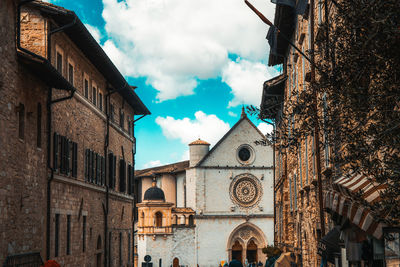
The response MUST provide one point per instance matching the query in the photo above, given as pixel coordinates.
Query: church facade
(216, 206)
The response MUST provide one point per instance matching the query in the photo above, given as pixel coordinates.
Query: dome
(154, 193)
(199, 142)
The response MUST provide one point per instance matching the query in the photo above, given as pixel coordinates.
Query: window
(65, 155)
(130, 179)
(129, 247)
(191, 220)
(112, 112)
(101, 101)
(57, 235)
(39, 126)
(120, 249)
(94, 95)
(55, 151)
(320, 3)
(86, 87)
(290, 194)
(158, 219)
(121, 118)
(112, 170)
(83, 233)
(68, 234)
(71, 73)
(122, 176)
(21, 120)
(300, 166)
(74, 159)
(295, 191)
(306, 158)
(59, 62)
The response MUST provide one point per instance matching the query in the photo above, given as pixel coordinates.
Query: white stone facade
(231, 196)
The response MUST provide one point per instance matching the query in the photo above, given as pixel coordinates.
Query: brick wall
(22, 161)
(24, 174)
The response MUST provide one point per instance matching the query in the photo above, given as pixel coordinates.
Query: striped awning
(343, 201)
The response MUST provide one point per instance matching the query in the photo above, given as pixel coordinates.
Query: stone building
(67, 139)
(349, 226)
(216, 206)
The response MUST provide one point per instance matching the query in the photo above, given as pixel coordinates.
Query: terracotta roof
(170, 168)
(199, 142)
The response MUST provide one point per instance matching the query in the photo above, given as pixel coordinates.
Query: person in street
(235, 263)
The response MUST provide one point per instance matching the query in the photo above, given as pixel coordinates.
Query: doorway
(237, 251)
(251, 252)
(175, 262)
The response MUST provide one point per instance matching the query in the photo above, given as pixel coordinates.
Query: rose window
(245, 190)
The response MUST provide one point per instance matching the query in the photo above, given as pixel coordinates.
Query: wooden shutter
(74, 159)
(122, 175)
(129, 179)
(67, 155)
(114, 170)
(110, 169)
(93, 166)
(55, 151)
(103, 171)
(86, 164)
(62, 157)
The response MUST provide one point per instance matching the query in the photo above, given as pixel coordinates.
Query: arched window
(141, 219)
(158, 219)
(175, 262)
(191, 220)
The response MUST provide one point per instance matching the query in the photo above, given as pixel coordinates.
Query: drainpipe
(135, 198)
(106, 206)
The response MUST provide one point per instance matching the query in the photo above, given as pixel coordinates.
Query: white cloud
(246, 79)
(175, 43)
(95, 32)
(232, 114)
(152, 163)
(206, 127)
(185, 155)
(265, 127)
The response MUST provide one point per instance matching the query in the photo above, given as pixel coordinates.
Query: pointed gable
(224, 153)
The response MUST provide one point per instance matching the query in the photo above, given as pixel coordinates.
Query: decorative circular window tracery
(245, 190)
(245, 154)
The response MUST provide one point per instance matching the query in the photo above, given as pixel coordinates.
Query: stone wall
(23, 170)
(22, 159)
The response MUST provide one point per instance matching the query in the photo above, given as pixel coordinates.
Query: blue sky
(195, 63)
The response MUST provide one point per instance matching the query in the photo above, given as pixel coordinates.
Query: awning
(272, 97)
(328, 246)
(346, 199)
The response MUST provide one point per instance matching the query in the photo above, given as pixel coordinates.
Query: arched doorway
(251, 252)
(237, 251)
(175, 262)
(251, 239)
(98, 255)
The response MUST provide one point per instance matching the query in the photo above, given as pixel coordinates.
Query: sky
(195, 63)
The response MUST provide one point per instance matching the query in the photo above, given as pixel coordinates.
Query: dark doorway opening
(251, 252)
(175, 262)
(237, 250)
